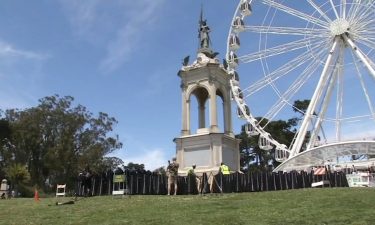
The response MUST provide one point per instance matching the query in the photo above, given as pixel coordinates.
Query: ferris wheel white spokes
(297, 13)
(360, 77)
(279, 73)
(334, 9)
(281, 49)
(360, 17)
(321, 50)
(365, 41)
(284, 99)
(319, 10)
(287, 31)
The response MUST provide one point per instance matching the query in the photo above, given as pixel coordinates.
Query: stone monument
(208, 146)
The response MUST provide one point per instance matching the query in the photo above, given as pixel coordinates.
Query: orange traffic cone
(36, 195)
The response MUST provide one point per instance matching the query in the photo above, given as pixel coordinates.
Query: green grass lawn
(305, 206)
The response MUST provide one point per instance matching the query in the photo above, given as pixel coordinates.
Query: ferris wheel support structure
(360, 55)
(314, 100)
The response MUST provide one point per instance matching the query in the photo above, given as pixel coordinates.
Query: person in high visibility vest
(191, 170)
(224, 169)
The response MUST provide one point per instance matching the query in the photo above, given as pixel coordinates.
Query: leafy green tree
(6, 146)
(110, 163)
(5, 130)
(255, 159)
(135, 167)
(56, 139)
(247, 144)
(17, 175)
(301, 106)
(160, 170)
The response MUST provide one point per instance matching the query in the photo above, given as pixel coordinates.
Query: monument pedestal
(207, 151)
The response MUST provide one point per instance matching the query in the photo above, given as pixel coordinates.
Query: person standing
(172, 171)
(224, 177)
(191, 173)
(224, 169)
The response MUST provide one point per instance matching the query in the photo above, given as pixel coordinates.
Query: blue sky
(122, 57)
(119, 56)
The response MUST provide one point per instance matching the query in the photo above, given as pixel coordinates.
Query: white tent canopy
(327, 153)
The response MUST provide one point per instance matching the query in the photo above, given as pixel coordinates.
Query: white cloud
(137, 151)
(151, 158)
(120, 49)
(118, 26)
(81, 14)
(128, 37)
(20, 73)
(9, 51)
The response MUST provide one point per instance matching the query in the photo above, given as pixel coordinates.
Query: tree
(161, 171)
(56, 140)
(135, 167)
(18, 175)
(301, 106)
(6, 146)
(283, 132)
(254, 158)
(110, 163)
(5, 130)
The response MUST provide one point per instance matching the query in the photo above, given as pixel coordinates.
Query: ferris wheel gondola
(238, 25)
(234, 42)
(250, 130)
(264, 142)
(245, 8)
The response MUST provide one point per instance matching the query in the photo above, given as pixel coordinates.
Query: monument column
(227, 115)
(185, 114)
(213, 109)
(188, 116)
(202, 115)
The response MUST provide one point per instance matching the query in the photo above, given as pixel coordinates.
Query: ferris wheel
(316, 50)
